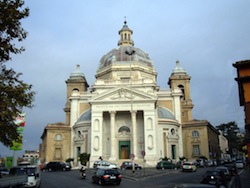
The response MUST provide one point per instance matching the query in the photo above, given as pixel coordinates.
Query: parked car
(54, 166)
(128, 165)
(107, 176)
(239, 163)
(166, 165)
(189, 166)
(32, 171)
(104, 164)
(210, 163)
(201, 163)
(3, 171)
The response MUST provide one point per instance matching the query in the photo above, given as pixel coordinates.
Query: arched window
(195, 134)
(181, 87)
(124, 129)
(58, 137)
(172, 131)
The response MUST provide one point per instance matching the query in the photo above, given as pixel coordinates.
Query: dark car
(54, 166)
(232, 169)
(213, 177)
(166, 165)
(128, 165)
(107, 176)
(3, 171)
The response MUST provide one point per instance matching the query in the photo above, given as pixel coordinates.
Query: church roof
(86, 116)
(164, 113)
(77, 73)
(178, 69)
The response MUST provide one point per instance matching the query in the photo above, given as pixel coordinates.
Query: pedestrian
(133, 167)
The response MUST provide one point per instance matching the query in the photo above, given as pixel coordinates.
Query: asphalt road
(166, 178)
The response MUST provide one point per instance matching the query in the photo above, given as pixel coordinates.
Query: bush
(69, 160)
(84, 158)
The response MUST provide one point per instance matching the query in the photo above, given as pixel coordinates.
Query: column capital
(133, 111)
(112, 112)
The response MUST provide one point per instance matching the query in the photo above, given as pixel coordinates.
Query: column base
(112, 159)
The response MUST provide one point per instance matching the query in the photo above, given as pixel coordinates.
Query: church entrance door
(124, 149)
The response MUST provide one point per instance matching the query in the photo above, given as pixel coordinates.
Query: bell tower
(180, 79)
(75, 83)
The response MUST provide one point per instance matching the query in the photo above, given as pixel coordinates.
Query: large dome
(125, 54)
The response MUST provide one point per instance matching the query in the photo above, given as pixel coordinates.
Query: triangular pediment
(123, 94)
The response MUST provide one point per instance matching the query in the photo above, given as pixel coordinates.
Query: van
(32, 171)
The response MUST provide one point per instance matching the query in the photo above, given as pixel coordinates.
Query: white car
(189, 166)
(104, 164)
(239, 164)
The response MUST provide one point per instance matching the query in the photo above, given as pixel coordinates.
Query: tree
(231, 131)
(84, 158)
(14, 93)
(10, 27)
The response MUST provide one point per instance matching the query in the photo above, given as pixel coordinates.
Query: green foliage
(69, 160)
(14, 93)
(11, 13)
(166, 159)
(230, 131)
(84, 158)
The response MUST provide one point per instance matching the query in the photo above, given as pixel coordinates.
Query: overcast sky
(206, 36)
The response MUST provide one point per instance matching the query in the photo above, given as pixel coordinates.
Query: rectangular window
(196, 150)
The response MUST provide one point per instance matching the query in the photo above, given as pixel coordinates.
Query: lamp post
(130, 52)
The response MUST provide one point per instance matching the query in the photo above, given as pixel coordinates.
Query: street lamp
(130, 52)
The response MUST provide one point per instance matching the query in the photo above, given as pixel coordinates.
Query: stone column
(73, 119)
(134, 128)
(177, 109)
(113, 144)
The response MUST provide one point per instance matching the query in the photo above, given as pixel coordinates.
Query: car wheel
(50, 169)
(63, 169)
(100, 182)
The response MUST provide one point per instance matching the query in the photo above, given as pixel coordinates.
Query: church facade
(124, 115)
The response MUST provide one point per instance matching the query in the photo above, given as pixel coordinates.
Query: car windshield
(211, 172)
(23, 171)
(111, 171)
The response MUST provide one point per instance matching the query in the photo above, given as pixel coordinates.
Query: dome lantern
(125, 36)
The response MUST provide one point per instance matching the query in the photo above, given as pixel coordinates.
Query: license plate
(112, 177)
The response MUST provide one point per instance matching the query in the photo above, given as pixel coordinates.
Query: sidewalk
(245, 179)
